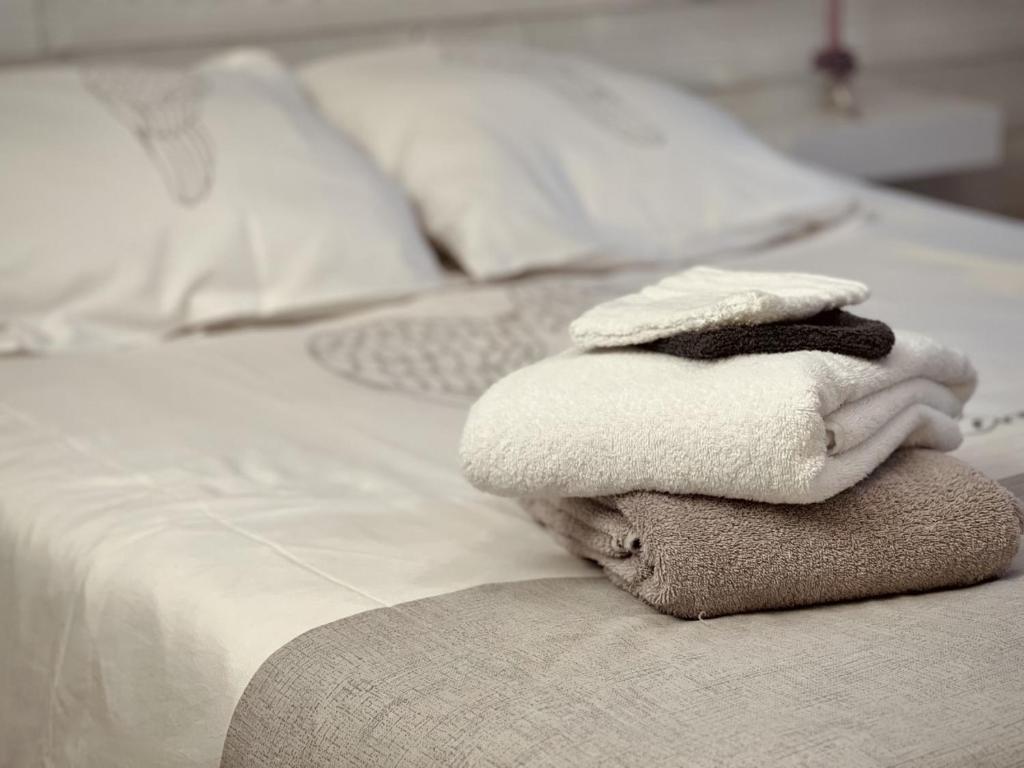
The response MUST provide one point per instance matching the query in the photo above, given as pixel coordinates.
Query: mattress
(257, 547)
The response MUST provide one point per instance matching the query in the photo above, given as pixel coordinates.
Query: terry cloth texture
(793, 428)
(703, 298)
(830, 331)
(922, 521)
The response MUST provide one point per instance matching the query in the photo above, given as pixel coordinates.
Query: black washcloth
(830, 331)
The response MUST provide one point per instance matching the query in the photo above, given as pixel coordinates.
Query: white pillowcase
(138, 202)
(520, 159)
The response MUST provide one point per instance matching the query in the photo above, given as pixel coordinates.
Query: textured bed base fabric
(566, 672)
(831, 331)
(922, 521)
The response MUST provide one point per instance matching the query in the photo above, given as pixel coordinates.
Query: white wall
(973, 47)
(708, 43)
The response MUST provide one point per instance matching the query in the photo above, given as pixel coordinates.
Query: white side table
(900, 133)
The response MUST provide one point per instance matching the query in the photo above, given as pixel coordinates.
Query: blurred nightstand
(900, 134)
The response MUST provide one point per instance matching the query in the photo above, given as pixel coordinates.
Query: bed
(175, 516)
(254, 546)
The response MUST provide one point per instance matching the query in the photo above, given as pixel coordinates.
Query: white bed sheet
(171, 516)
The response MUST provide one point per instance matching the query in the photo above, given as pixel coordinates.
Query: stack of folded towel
(724, 442)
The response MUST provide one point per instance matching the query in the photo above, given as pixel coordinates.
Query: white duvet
(171, 516)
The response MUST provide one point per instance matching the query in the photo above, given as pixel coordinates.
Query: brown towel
(831, 331)
(922, 521)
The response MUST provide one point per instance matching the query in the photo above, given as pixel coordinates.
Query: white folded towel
(702, 298)
(797, 427)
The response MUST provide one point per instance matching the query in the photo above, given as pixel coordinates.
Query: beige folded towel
(922, 521)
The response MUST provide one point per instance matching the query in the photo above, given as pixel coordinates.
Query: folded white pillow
(520, 159)
(793, 428)
(138, 202)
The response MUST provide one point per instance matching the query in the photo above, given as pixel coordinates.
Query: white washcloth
(702, 298)
(794, 428)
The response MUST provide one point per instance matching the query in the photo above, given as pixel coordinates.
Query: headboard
(63, 28)
(706, 43)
